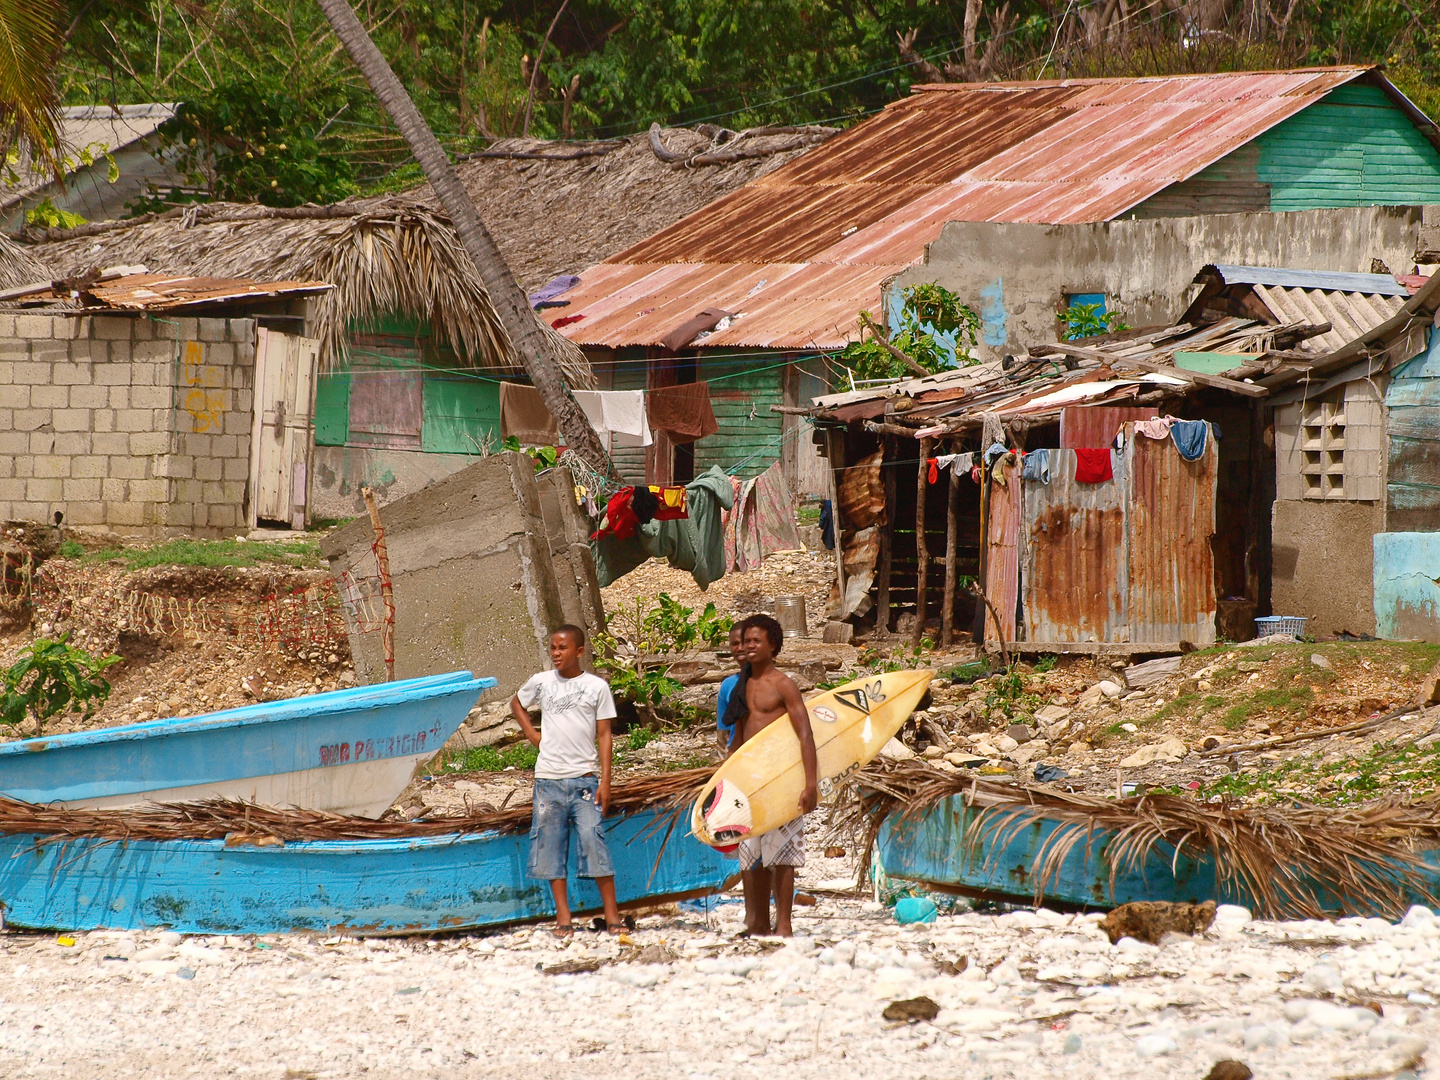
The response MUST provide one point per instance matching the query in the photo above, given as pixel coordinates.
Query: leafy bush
(53, 677)
(521, 755)
(929, 316)
(667, 628)
(1087, 320)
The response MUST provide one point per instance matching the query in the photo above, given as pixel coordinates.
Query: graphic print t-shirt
(569, 709)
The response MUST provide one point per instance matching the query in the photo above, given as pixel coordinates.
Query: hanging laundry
(695, 543)
(1037, 466)
(991, 430)
(546, 295)
(556, 324)
(827, 525)
(620, 520)
(964, 462)
(761, 522)
(682, 412)
(669, 503)
(998, 471)
(1189, 436)
(934, 473)
(975, 473)
(617, 412)
(1093, 466)
(993, 452)
(946, 460)
(1159, 428)
(524, 415)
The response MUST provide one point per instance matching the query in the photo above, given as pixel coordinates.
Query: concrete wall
(339, 472)
(1322, 563)
(473, 582)
(134, 423)
(1016, 276)
(1407, 594)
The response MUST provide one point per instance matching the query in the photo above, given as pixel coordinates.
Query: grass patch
(1179, 707)
(489, 759)
(1046, 664)
(637, 738)
(294, 554)
(1403, 771)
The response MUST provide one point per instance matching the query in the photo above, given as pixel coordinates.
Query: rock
(1020, 733)
(896, 750)
(1140, 758)
(1173, 749)
(933, 752)
(1248, 667)
(1210, 742)
(1091, 697)
(911, 1010)
(574, 967)
(1004, 743)
(1320, 662)
(1429, 693)
(1147, 920)
(1229, 1069)
(1111, 690)
(1155, 1045)
(1029, 752)
(838, 633)
(1051, 714)
(1141, 676)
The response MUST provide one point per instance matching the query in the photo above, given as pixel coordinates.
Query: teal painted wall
(741, 393)
(1412, 475)
(1355, 147)
(332, 409)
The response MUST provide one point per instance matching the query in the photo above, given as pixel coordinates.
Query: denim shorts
(562, 807)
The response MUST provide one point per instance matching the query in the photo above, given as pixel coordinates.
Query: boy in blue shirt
(727, 687)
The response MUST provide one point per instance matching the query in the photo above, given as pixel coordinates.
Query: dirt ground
(231, 640)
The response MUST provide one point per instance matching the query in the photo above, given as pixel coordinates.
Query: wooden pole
(882, 593)
(387, 592)
(835, 457)
(952, 541)
(922, 550)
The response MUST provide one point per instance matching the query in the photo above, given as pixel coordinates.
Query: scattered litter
(911, 1010)
(65, 941)
(915, 909)
(574, 967)
(186, 973)
(1049, 774)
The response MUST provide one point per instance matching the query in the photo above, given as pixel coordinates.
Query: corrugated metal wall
(1126, 560)
(1412, 482)
(1002, 561)
(1075, 557)
(1171, 518)
(1087, 426)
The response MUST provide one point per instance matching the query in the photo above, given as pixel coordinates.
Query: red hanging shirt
(1093, 466)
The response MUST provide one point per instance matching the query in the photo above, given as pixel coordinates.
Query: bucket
(790, 614)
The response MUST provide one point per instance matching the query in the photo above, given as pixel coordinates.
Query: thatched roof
(18, 266)
(552, 208)
(383, 256)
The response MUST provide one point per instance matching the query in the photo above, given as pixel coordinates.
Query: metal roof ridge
(1021, 85)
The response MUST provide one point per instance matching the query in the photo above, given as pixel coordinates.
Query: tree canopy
(274, 110)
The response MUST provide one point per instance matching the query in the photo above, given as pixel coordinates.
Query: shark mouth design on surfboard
(727, 816)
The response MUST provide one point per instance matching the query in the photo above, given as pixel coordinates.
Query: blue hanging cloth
(1189, 436)
(1037, 466)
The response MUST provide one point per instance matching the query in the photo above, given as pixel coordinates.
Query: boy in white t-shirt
(574, 740)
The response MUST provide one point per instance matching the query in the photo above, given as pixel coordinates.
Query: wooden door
(281, 434)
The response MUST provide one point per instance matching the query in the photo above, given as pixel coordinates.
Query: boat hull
(932, 848)
(379, 887)
(349, 751)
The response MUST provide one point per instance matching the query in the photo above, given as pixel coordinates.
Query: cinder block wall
(136, 423)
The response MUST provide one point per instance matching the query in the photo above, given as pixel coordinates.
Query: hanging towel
(592, 405)
(946, 460)
(1155, 429)
(1093, 466)
(1189, 436)
(964, 462)
(682, 412)
(616, 412)
(991, 430)
(762, 521)
(995, 451)
(1037, 466)
(523, 414)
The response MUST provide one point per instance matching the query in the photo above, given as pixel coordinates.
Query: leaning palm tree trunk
(527, 338)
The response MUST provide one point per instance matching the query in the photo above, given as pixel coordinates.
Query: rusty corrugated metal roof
(825, 230)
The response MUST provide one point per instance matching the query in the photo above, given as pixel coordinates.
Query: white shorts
(784, 846)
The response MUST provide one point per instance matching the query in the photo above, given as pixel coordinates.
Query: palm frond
(29, 104)
(1286, 862)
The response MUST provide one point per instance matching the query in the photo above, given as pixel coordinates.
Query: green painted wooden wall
(1355, 147)
(742, 389)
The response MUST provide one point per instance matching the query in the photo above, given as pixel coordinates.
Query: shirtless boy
(767, 863)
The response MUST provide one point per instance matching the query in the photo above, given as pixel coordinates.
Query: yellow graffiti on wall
(203, 391)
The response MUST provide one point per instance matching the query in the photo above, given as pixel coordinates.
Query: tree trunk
(527, 338)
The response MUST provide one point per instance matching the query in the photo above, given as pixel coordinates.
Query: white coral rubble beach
(1041, 994)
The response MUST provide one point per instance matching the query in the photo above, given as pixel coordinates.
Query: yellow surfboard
(758, 788)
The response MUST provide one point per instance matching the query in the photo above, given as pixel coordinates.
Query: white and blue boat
(349, 751)
(366, 887)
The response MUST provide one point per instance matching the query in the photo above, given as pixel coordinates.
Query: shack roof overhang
(139, 292)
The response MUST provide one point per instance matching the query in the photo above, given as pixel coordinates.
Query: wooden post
(882, 589)
(387, 592)
(835, 459)
(922, 550)
(978, 630)
(952, 541)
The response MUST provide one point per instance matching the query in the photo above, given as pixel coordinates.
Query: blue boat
(955, 848)
(378, 887)
(349, 751)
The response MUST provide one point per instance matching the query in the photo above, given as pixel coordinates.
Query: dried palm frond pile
(385, 257)
(1283, 862)
(247, 823)
(18, 266)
